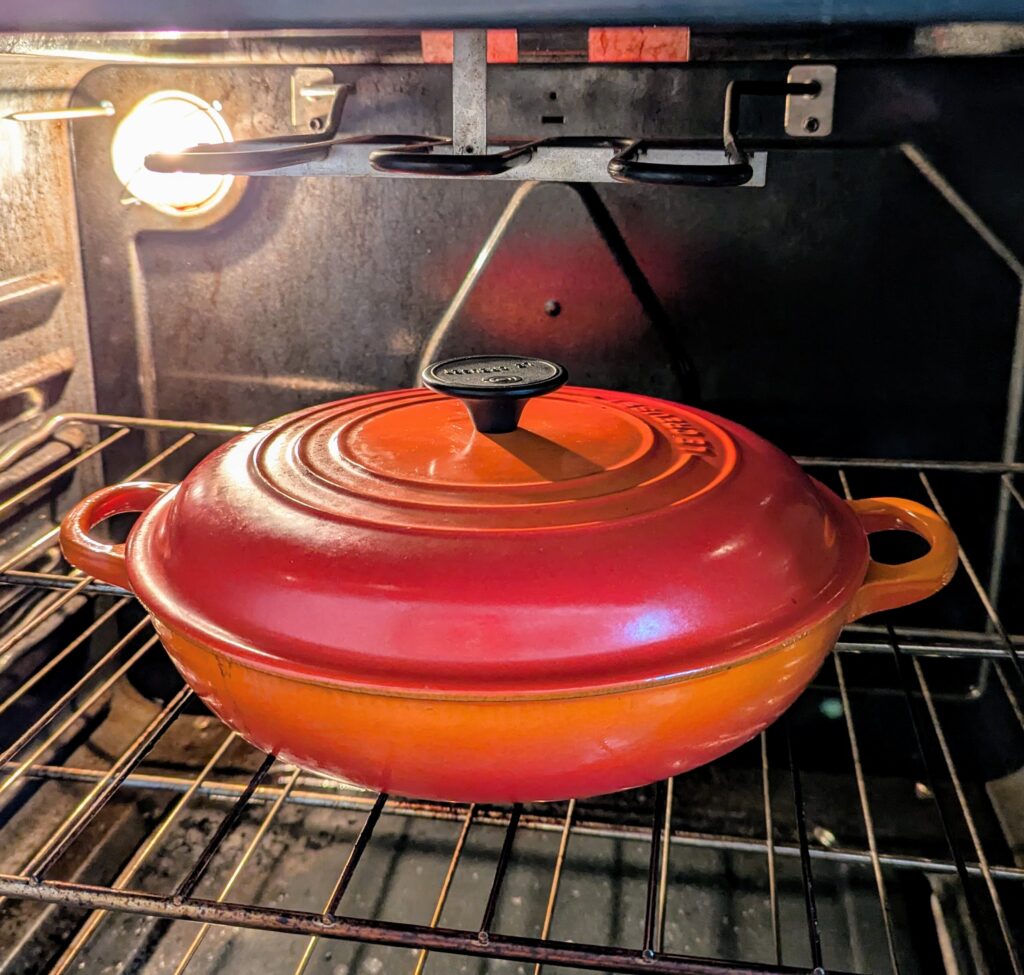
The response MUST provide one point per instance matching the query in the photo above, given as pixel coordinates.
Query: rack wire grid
(927, 668)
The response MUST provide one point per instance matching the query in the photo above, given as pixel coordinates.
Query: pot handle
(104, 560)
(889, 586)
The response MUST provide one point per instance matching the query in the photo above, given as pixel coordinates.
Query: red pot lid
(579, 539)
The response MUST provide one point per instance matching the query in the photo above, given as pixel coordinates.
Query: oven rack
(24, 763)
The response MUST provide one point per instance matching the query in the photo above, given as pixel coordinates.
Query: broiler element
(471, 154)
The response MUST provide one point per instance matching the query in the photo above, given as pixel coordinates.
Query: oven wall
(41, 285)
(45, 356)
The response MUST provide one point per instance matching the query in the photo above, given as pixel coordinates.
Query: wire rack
(970, 858)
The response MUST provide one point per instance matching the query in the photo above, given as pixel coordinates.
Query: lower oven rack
(986, 879)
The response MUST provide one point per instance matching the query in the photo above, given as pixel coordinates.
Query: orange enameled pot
(535, 593)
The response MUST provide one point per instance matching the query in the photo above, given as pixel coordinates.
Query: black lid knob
(494, 388)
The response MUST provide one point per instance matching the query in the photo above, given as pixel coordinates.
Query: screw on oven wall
(552, 308)
(824, 836)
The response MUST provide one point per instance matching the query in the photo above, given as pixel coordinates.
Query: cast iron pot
(438, 593)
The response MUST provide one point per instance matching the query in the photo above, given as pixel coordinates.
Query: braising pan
(501, 588)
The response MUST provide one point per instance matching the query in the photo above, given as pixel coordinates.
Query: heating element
(137, 832)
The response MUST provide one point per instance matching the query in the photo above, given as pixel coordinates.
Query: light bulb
(169, 121)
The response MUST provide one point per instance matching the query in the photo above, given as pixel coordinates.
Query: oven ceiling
(64, 15)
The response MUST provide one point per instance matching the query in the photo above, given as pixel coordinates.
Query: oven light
(169, 121)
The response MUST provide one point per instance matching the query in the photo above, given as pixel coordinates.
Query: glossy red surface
(382, 542)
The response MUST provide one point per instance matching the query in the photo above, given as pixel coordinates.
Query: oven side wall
(45, 357)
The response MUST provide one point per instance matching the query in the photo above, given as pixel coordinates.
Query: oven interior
(862, 308)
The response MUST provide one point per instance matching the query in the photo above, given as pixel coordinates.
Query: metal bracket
(313, 92)
(469, 92)
(810, 115)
